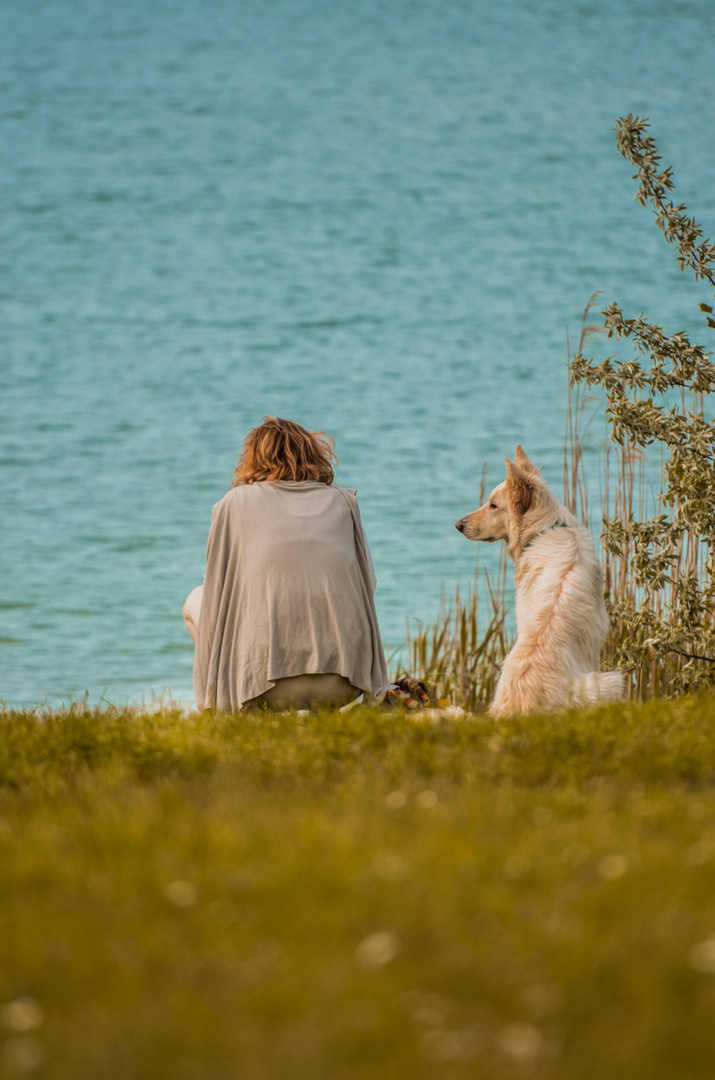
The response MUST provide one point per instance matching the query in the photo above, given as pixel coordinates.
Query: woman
(287, 616)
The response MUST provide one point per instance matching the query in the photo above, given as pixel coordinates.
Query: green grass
(360, 895)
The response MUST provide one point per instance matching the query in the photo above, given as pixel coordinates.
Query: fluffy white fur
(561, 617)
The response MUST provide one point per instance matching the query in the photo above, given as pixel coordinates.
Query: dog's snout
(460, 525)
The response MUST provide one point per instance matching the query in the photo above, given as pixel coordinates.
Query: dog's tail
(599, 686)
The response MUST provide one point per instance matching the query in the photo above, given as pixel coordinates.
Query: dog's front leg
(519, 687)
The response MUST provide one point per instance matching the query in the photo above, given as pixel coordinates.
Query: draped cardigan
(289, 590)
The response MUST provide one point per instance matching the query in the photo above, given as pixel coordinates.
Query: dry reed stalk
(460, 654)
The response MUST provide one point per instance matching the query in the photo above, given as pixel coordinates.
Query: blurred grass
(358, 895)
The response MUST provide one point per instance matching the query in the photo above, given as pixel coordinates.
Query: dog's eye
(493, 506)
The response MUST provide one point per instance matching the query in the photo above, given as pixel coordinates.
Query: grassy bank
(360, 895)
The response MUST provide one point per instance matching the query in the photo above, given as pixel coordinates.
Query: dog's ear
(519, 488)
(522, 460)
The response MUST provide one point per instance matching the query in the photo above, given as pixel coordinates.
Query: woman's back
(289, 591)
(294, 528)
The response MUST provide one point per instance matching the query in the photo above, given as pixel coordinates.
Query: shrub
(659, 568)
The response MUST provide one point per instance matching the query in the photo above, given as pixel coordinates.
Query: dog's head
(501, 515)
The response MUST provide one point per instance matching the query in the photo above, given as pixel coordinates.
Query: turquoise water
(379, 219)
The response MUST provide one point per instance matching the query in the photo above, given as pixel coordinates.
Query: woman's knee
(191, 610)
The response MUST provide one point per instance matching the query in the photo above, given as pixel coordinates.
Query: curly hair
(283, 450)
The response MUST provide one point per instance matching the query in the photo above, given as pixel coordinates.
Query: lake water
(379, 219)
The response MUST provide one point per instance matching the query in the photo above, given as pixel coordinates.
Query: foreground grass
(360, 895)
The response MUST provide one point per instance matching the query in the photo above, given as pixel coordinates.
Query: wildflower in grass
(612, 867)
(22, 1014)
(427, 799)
(181, 893)
(702, 956)
(520, 1042)
(22, 1054)
(377, 950)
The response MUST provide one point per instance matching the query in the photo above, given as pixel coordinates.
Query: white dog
(561, 618)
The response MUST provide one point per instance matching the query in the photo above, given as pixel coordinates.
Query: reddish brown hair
(283, 450)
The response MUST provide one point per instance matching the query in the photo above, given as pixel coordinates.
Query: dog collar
(556, 525)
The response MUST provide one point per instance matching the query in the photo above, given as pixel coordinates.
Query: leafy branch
(660, 571)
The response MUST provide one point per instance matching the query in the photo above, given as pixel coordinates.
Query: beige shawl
(288, 591)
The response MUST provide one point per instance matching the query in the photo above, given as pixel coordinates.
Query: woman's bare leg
(192, 610)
